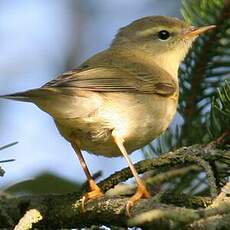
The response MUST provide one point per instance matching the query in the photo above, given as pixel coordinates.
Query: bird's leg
(95, 190)
(141, 189)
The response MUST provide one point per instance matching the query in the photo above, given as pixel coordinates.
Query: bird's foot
(141, 192)
(93, 194)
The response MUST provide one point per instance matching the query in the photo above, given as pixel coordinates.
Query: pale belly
(138, 119)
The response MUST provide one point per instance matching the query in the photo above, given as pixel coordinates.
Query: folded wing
(113, 79)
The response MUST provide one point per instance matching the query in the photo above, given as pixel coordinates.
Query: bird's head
(163, 37)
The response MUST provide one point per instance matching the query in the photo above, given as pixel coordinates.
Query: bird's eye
(163, 35)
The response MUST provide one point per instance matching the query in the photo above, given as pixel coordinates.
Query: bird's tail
(59, 103)
(27, 96)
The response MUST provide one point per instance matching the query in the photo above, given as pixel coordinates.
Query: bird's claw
(140, 193)
(93, 194)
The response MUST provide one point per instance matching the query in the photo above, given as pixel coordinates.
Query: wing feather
(114, 79)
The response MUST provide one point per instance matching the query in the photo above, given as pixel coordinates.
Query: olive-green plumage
(122, 98)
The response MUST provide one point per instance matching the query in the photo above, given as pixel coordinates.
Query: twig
(2, 172)
(9, 145)
(165, 176)
(31, 217)
(213, 222)
(182, 156)
(182, 216)
(220, 219)
(210, 176)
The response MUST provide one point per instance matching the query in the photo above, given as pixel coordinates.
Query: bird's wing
(113, 79)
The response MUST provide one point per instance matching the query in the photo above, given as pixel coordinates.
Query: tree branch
(182, 156)
(182, 216)
(59, 211)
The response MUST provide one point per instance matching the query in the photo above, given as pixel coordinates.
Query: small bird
(122, 98)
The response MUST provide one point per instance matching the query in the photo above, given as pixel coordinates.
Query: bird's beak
(195, 31)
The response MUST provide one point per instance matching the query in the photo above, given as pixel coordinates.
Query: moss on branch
(64, 211)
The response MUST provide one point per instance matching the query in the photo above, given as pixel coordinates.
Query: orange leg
(95, 190)
(141, 189)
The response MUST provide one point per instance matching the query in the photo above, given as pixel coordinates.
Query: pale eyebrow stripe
(147, 32)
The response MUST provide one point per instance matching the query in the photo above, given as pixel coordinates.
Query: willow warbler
(121, 98)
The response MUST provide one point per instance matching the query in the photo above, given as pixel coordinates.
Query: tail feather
(59, 103)
(16, 96)
(26, 96)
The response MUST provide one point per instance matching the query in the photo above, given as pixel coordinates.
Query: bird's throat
(167, 61)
